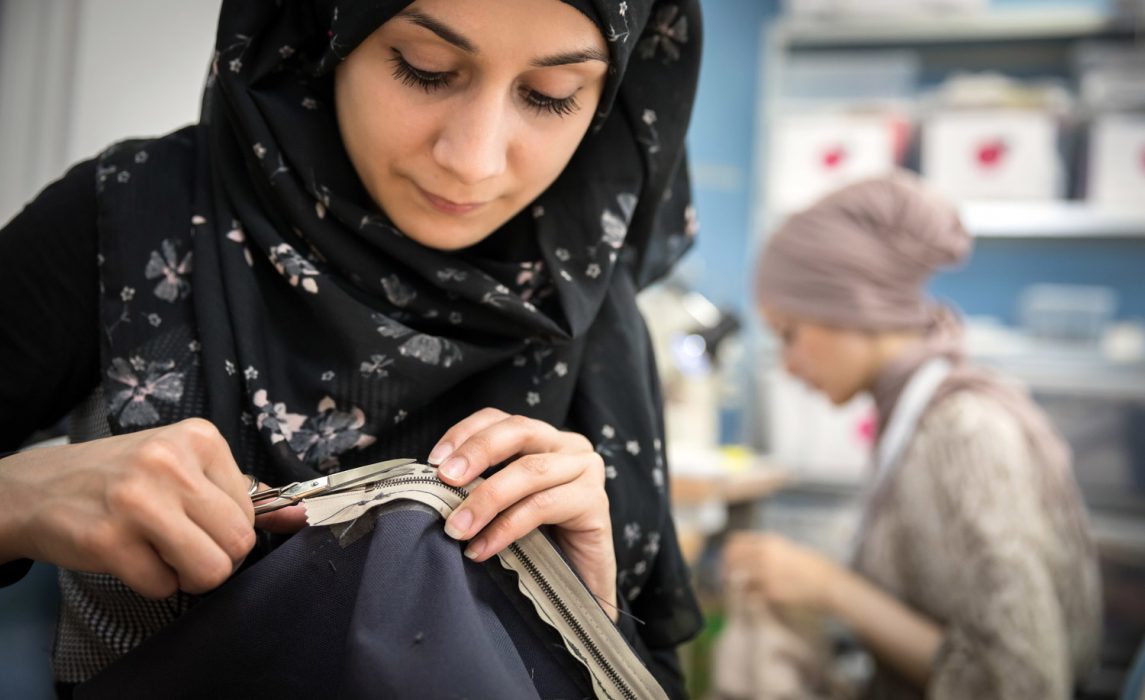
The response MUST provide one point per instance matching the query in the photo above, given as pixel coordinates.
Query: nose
(474, 142)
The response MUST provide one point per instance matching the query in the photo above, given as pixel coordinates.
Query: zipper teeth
(546, 588)
(573, 622)
(426, 480)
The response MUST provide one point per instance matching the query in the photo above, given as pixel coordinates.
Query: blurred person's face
(838, 362)
(457, 115)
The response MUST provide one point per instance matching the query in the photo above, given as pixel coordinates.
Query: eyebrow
(455, 38)
(439, 28)
(568, 57)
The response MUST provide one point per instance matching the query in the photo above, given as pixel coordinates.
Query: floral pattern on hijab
(316, 336)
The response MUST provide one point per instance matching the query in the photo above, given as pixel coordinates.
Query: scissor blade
(358, 475)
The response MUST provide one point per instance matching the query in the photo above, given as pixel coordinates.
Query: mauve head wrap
(860, 257)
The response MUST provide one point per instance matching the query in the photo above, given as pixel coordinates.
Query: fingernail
(474, 549)
(438, 453)
(458, 523)
(454, 468)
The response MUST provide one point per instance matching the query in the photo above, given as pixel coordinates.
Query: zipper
(573, 622)
(433, 481)
(525, 551)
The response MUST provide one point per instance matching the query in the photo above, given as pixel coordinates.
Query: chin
(445, 236)
(840, 398)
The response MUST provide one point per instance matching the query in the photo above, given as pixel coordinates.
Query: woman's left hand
(783, 572)
(556, 478)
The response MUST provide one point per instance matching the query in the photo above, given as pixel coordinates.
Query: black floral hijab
(247, 277)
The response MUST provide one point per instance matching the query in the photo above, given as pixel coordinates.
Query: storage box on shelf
(813, 155)
(1116, 164)
(1007, 154)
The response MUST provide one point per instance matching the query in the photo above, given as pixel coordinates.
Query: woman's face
(457, 115)
(836, 361)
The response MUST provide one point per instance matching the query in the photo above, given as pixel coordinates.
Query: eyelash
(429, 82)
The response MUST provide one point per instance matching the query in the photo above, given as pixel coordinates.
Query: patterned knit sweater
(978, 536)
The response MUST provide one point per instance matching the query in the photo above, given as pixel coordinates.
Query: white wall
(77, 75)
(35, 41)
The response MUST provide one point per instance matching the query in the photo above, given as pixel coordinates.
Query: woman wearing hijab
(399, 229)
(974, 575)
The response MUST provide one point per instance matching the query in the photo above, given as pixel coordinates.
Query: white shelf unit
(995, 25)
(1053, 219)
(985, 219)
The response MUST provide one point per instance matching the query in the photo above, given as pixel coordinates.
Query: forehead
(776, 318)
(809, 330)
(476, 26)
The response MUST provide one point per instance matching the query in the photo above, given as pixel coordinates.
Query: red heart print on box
(834, 156)
(990, 153)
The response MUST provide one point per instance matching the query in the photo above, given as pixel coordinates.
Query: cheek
(800, 361)
(810, 355)
(544, 149)
(400, 132)
(850, 364)
(378, 121)
(820, 359)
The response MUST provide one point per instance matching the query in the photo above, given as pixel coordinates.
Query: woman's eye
(430, 81)
(415, 77)
(543, 104)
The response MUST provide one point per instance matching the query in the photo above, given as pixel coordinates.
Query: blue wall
(722, 147)
(999, 269)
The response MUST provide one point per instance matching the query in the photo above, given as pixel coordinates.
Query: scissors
(271, 499)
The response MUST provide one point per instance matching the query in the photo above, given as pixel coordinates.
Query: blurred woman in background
(973, 573)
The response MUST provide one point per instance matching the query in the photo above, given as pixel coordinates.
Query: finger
(556, 506)
(496, 443)
(745, 558)
(223, 520)
(738, 550)
(284, 521)
(218, 464)
(527, 475)
(140, 567)
(199, 562)
(461, 431)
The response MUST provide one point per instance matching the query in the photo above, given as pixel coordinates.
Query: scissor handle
(267, 499)
(283, 496)
(273, 503)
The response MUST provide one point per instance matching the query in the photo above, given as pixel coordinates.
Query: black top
(49, 306)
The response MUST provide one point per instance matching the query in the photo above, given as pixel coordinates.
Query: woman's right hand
(161, 509)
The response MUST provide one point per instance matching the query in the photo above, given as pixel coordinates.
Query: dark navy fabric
(398, 613)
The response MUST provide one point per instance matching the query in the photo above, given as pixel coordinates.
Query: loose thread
(605, 603)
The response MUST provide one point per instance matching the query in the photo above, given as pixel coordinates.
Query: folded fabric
(384, 604)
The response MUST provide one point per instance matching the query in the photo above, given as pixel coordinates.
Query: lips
(448, 206)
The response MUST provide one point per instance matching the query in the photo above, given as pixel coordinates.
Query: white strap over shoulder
(896, 436)
(908, 410)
